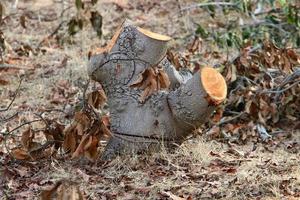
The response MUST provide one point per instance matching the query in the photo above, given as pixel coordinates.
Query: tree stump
(132, 70)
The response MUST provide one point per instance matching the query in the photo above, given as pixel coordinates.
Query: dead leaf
(3, 81)
(50, 193)
(195, 45)
(26, 139)
(70, 138)
(174, 59)
(23, 21)
(91, 148)
(151, 80)
(80, 149)
(20, 154)
(97, 98)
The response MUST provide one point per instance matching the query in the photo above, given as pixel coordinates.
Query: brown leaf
(91, 148)
(3, 81)
(80, 149)
(70, 138)
(97, 98)
(231, 170)
(163, 79)
(20, 154)
(54, 130)
(151, 80)
(105, 120)
(82, 119)
(23, 21)
(174, 59)
(26, 139)
(63, 190)
(105, 131)
(217, 115)
(50, 193)
(195, 45)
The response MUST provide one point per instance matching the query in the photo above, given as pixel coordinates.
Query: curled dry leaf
(27, 137)
(54, 132)
(151, 80)
(83, 136)
(97, 98)
(20, 154)
(174, 58)
(85, 140)
(73, 133)
(30, 150)
(70, 139)
(195, 45)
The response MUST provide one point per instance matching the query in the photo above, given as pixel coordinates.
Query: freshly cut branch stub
(214, 84)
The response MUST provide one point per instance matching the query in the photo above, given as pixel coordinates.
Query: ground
(201, 168)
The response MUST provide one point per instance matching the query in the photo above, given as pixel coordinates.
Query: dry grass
(201, 168)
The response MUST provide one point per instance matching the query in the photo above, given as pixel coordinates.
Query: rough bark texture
(165, 117)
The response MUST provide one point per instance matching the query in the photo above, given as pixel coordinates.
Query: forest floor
(201, 168)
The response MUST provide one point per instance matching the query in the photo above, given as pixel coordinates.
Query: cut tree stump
(151, 104)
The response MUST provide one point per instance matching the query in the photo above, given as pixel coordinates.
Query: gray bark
(166, 117)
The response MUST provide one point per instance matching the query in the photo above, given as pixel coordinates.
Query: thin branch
(52, 34)
(283, 90)
(209, 4)
(5, 66)
(84, 93)
(9, 118)
(229, 120)
(26, 123)
(8, 133)
(42, 119)
(253, 49)
(53, 110)
(274, 10)
(44, 146)
(14, 97)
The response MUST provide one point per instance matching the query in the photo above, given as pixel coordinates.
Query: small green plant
(84, 16)
(254, 22)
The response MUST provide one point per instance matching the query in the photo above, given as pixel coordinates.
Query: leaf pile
(263, 98)
(83, 136)
(31, 150)
(79, 139)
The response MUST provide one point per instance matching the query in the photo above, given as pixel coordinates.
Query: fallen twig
(16, 128)
(84, 93)
(44, 146)
(9, 118)
(52, 34)
(283, 90)
(253, 49)
(208, 4)
(14, 97)
(229, 120)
